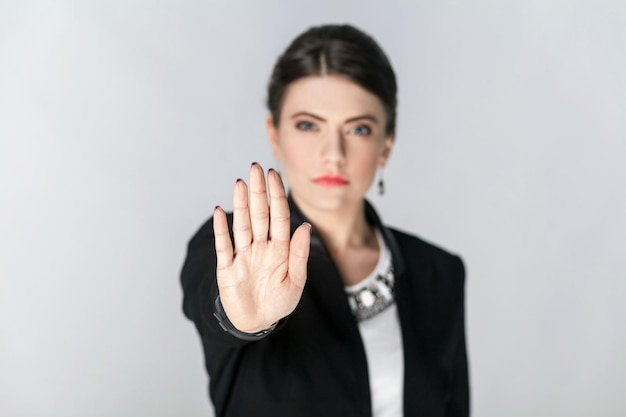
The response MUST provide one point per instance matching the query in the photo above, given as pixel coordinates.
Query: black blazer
(314, 363)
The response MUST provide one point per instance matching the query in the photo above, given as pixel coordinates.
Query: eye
(306, 126)
(361, 130)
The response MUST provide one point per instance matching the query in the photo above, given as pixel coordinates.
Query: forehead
(330, 96)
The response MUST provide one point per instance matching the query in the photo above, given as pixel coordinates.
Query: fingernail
(310, 227)
(216, 207)
(253, 164)
(238, 179)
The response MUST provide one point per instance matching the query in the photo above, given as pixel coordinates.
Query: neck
(341, 229)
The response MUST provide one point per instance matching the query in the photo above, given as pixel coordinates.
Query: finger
(279, 208)
(223, 244)
(259, 211)
(299, 254)
(241, 217)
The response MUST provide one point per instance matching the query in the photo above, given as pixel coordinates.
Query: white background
(123, 123)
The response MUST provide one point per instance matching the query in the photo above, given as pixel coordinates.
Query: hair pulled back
(335, 50)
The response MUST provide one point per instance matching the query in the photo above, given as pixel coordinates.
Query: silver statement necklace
(376, 292)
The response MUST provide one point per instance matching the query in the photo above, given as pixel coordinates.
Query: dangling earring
(381, 182)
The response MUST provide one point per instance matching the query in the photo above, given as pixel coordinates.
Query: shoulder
(428, 260)
(422, 247)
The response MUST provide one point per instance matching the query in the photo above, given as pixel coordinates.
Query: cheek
(295, 158)
(365, 165)
(287, 141)
(367, 157)
(293, 154)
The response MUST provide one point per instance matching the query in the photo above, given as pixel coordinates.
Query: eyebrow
(352, 119)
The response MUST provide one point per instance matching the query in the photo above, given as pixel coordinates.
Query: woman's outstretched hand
(262, 279)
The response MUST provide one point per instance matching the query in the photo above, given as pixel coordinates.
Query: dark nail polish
(254, 163)
(238, 179)
(216, 207)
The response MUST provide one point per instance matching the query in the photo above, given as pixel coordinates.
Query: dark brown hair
(335, 50)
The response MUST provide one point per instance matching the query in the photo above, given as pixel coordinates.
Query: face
(330, 141)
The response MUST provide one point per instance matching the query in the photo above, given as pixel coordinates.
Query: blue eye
(306, 126)
(362, 130)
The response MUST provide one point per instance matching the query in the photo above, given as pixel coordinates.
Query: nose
(334, 147)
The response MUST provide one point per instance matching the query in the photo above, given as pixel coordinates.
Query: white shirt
(382, 339)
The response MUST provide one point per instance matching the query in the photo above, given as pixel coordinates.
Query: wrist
(229, 327)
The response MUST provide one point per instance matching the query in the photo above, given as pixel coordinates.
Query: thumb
(299, 249)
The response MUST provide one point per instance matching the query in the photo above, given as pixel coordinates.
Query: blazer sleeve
(460, 398)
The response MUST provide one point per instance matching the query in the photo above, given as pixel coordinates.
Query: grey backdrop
(123, 123)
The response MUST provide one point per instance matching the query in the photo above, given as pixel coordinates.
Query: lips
(331, 181)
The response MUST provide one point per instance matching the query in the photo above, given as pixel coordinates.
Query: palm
(261, 280)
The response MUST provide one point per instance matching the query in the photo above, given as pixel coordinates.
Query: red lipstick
(331, 181)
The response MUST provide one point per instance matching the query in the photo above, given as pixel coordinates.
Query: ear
(272, 135)
(386, 151)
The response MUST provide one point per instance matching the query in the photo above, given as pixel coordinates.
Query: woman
(307, 305)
